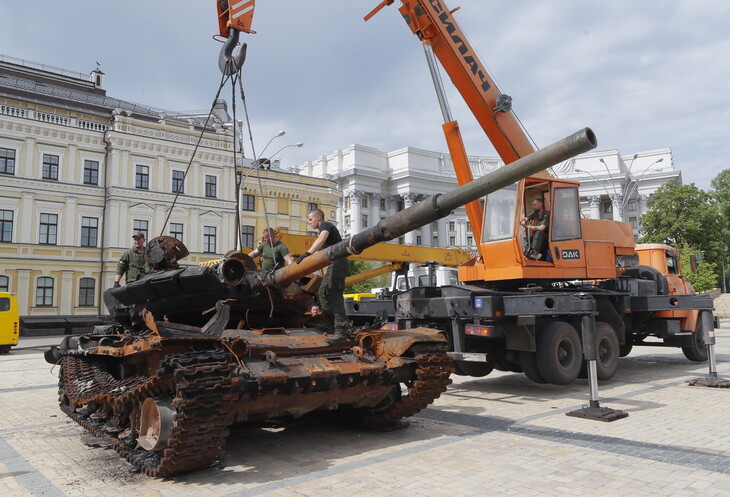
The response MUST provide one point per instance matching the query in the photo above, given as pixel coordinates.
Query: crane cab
(572, 247)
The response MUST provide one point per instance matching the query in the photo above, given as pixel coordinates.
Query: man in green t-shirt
(275, 253)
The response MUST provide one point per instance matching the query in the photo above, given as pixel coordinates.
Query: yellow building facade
(81, 171)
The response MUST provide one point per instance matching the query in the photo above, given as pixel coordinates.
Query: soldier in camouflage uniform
(131, 263)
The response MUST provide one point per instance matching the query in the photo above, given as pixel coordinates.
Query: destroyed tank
(199, 349)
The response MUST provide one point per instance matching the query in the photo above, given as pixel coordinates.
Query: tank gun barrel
(439, 206)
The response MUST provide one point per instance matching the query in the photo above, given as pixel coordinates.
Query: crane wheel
(528, 361)
(607, 352)
(697, 350)
(559, 353)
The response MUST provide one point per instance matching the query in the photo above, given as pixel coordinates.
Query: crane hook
(227, 62)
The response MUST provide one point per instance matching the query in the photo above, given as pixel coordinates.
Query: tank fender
(389, 344)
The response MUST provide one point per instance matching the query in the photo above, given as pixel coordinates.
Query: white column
(67, 291)
(409, 199)
(31, 159)
(616, 203)
(71, 165)
(68, 235)
(355, 212)
(194, 239)
(26, 219)
(443, 233)
(374, 209)
(25, 295)
(595, 203)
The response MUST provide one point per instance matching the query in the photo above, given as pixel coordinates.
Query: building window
(176, 231)
(247, 234)
(634, 222)
(364, 221)
(435, 240)
(452, 241)
(142, 177)
(348, 202)
(468, 226)
(44, 292)
(7, 161)
(311, 206)
(141, 225)
(4, 284)
(91, 172)
(48, 229)
(382, 204)
(452, 226)
(209, 239)
(347, 222)
(6, 226)
(87, 288)
(435, 226)
(248, 203)
(419, 240)
(312, 233)
(178, 182)
(401, 240)
(469, 241)
(50, 167)
(211, 186)
(89, 231)
(400, 205)
(364, 202)
(607, 207)
(632, 205)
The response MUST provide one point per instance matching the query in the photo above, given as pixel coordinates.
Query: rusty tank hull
(197, 350)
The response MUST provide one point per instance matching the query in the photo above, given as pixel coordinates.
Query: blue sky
(643, 74)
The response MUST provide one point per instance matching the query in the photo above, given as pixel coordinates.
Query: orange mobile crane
(518, 311)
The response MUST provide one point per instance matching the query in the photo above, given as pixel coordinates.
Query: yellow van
(9, 322)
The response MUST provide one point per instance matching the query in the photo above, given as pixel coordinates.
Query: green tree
(705, 279)
(357, 267)
(721, 192)
(686, 216)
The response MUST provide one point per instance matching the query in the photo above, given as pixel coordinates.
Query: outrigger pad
(598, 413)
(712, 381)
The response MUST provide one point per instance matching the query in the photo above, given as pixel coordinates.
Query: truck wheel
(467, 368)
(625, 349)
(697, 350)
(4, 349)
(559, 353)
(528, 361)
(607, 351)
(504, 364)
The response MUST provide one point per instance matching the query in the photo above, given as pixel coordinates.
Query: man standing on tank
(274, 253)
(131, 263)
(331, 300)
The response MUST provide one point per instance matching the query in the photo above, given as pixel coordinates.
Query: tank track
(434, 366)
(200, 385)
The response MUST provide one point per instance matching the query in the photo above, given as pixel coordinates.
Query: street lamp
(600, 182)
(638, 180)
(277, 135)
(297, 144)
(609, 175)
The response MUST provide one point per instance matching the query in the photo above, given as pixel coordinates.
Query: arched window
(4, 284)
(87, 287)
(44, 292)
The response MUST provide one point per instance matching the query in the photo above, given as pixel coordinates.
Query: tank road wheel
(155, 424)
(477, 369)
(697, 350)
(528, 361)
(559, 353)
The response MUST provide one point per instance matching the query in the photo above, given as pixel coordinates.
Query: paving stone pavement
(497, 435)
